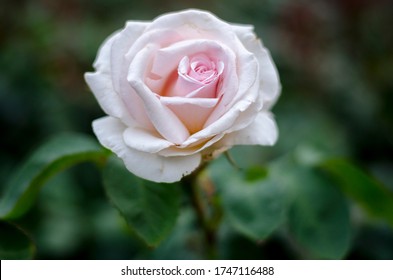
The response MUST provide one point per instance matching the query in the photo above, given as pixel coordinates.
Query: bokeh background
(335, 60)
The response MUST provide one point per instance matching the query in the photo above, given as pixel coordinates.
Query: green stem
(193, 190)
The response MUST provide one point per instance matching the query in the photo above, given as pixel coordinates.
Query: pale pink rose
(181, 89)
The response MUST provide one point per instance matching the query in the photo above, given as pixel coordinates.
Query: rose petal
(247, 69)
(101, 86)
(152, 167)
(193, 112)
(194, 24)
(208, 91)
(238, 119)
(123, 51)
(196, 147)
(163, 119)
(224, 125)
(188, 87)
(263, 131)
(144, 141)
(268, 74)
(100, 83)
(244, 131)
(120, 63)
(166, 61)
(122, 43)
(238, 115)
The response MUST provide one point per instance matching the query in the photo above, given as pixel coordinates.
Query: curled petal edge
(149, 166)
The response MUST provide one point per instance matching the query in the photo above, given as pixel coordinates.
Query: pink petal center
(197, 76)
(200, 69)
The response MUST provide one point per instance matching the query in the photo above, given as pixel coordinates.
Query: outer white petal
(196, 24)
(121, 45)
(263, 131)
(144, 141)
(153, 167)
(102, 88)
(268, 75)
(100, 82)
(125, 40)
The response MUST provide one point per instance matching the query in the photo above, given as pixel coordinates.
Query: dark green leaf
(364, 189)
(319, 216)
(150, 209)
(54, 156)
(255, 208)
(14, 243)
(184, 242)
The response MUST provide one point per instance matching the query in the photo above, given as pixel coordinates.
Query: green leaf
(319, 216)
(59, 153)
(376, 199)
(253, 207)
(14, 243)
(255, 173)
(150, 209)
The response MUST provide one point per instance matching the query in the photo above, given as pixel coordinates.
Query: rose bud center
(197, 77)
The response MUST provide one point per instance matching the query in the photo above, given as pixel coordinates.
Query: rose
(180, 90)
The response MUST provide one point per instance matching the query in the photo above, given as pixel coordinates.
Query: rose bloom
(180, 90)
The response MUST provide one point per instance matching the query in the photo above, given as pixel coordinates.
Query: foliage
(149, 208)
(324, 191)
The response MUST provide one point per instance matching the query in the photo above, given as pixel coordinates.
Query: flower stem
(194, 193)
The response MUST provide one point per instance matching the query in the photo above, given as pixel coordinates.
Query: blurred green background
(335, 60)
